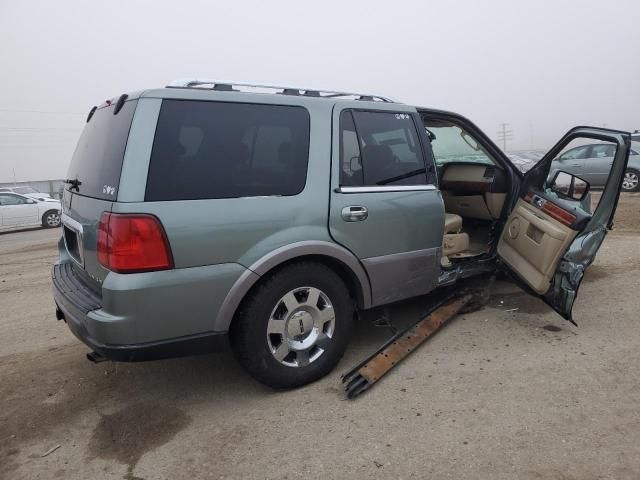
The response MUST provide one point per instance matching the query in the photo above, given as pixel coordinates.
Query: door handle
(354, 213)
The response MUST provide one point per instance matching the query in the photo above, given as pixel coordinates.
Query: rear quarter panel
(234, 230)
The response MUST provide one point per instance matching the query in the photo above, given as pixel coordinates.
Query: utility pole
(14, 176)
(504, 135)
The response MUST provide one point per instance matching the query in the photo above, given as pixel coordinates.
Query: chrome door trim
(354, 213)
(387, 188)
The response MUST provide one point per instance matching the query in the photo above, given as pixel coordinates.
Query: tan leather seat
(452, 223)
(454, 241)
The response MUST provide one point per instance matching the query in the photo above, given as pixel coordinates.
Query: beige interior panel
(495, 201)
(465, 173)
(469, 206)
(532, 244)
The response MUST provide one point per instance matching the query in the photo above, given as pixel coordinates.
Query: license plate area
(72, 234)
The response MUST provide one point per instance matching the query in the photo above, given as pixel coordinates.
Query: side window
(205, 150)
(350, 160)
(577, 153)
(380, 148)
(8, 199)
(602, 151)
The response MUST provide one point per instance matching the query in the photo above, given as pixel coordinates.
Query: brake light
(129, 243)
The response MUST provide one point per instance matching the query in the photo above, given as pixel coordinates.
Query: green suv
(207, 212)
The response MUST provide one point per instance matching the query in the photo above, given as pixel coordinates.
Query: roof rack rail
(305, 92)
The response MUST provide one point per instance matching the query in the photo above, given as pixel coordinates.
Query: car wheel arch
(339, 259)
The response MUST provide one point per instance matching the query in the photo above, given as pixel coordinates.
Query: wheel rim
(630, 181)
(301, 327)
(53, 219)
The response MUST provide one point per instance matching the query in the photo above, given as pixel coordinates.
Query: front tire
(51, 219)
(631, 180)
(294, 327)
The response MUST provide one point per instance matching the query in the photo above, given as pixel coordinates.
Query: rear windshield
(224, 150)
(97, 160)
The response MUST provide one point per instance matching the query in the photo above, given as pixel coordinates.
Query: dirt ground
(510, 391)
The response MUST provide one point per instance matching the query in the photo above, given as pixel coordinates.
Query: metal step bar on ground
(369, 371)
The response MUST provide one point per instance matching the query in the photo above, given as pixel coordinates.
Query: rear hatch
(92, 185)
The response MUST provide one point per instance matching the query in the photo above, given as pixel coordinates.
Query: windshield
(453, 144)
(97, 160)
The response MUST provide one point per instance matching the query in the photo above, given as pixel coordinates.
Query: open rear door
(551, 236)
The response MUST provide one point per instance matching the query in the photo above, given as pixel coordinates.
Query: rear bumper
(139, 352)
(154, 328)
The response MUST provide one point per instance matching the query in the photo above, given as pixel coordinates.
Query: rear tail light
(129, 243)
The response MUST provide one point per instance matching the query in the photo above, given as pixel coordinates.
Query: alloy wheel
(53, 219)
(630, 181)
(300, 327)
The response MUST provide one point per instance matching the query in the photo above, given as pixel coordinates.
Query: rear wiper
(74, 182)
(412, 173)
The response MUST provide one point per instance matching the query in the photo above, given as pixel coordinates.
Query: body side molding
(403, 275)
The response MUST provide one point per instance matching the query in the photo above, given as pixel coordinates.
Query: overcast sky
(541, 66)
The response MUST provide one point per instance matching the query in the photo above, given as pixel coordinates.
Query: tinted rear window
(224, 150)
(97, 160)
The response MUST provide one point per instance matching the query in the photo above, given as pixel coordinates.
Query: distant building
(52, 187)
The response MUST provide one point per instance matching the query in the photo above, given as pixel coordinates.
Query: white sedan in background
(21, 211)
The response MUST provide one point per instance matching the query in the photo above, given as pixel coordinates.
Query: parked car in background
(21, 211)
(525, 159)
(635, 136)
(27, 192)
(593, 162)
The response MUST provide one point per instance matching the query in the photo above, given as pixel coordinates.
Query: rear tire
(631, 180)
(51, 219)
(293, 328)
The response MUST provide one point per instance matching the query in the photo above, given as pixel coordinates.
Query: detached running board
(372, 369)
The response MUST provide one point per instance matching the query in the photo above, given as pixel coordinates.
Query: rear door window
(380, 148)
(578, 153)
(604, 150)
(206, 150)
(97, 160)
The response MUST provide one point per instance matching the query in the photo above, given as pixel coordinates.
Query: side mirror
(569, 186)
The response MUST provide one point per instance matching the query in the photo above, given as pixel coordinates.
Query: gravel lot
(499, 393)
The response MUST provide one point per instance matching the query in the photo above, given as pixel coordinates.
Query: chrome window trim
(387, 188)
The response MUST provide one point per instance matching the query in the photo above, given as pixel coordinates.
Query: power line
(504, 135)
(42, 112)
(39, 129)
